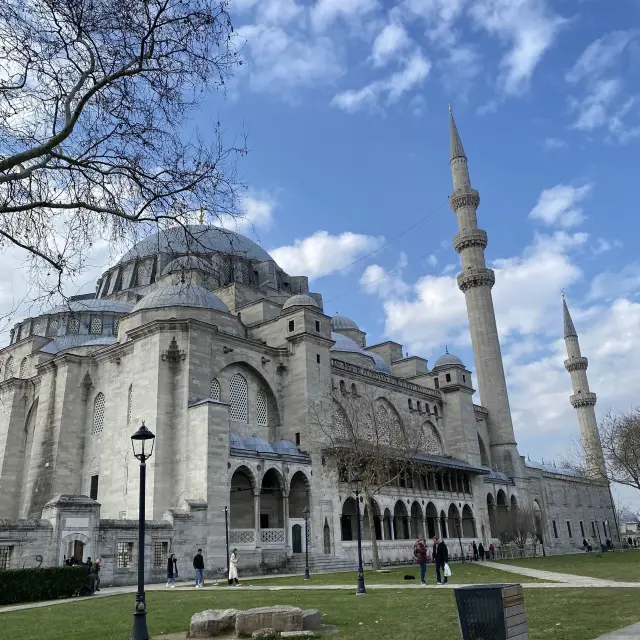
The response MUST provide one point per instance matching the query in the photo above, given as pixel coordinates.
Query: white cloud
(593, 109)
(280, 62)
(375, 279)
(256, 211)
(325, 12)
(554, 143)
(393, 39)
(390, 89)
(561, 205)
(529, 26)
(321, 254)
(612, 284)
(432, 261)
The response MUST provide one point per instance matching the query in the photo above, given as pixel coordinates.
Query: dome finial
(446, 349)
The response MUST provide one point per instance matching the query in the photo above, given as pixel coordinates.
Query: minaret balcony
(476, 278)
(466, 239)
(583, 400)
(468, 198)
(576, 364)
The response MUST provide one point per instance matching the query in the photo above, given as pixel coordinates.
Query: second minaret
(476, 281)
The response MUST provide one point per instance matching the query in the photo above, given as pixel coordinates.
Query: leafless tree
(620, 438)
(523, 529)
(360, 433)
(95, 138)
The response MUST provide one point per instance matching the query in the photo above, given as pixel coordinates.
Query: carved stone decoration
(173, 353)
(576, 364)
(476, 278)
(466, 239)
(469, 198)
(583, 400)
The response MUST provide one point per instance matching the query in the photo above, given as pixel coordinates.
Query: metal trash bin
(491, 612)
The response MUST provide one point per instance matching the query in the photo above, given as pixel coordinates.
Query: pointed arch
(454, 521)
(242, 487)
(238, 398)
(214, 390)
(432, 520)
(23, 368)
(348, 520)
(514, 503)
(431, 440)
(468, 522)
(401, 521)
(98, 414)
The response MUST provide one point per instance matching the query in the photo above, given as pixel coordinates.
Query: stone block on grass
(297, 634)
(280, 618)
(311, 619)
(265, 634)
(211, 623)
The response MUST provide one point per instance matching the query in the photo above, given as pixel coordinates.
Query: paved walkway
(628, 633)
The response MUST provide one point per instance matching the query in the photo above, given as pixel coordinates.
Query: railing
(272, 537)
(242, 536)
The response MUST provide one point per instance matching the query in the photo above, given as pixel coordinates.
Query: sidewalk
(628, 633)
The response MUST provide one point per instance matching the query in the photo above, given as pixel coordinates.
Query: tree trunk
(375, 558)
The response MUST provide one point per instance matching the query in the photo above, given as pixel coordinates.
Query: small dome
(342, 322)
(342, 343)
(187, 263)
(181, 295)
(448, 360)
(235, 442)
(301, 300)
(258, 444)
(286, 447)
(380, 363)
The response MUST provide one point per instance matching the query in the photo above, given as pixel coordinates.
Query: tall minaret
(476, 281)
(583, 400)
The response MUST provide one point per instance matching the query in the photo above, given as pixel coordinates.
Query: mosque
(200, 334)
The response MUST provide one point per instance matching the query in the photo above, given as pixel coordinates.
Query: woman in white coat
(233, 568)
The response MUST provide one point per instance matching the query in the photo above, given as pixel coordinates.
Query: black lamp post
(306, 543)
(599, 538)
(460, 539)
(226, 530)
(142, 442)
(355, 483)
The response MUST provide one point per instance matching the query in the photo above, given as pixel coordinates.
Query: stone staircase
(320, 563)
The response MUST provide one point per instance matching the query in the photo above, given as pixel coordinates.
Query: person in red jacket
(420, 554)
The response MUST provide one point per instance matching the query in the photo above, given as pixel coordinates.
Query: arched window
(98, 413)
(354, 391)
(431, 442)
(8, 368)
(214, 392)
(419, 406)
(410, 404)
(435, 410)
(261, 407)
(52, 330)
(23, 368)
(343, 388)
(129, 403)
(238, 399)
(426, 408)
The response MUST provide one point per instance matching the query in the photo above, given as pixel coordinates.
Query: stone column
(256, 517)
(424, 527)
(382, 527)
(285, 507)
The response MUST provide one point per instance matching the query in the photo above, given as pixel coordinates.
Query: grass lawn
(468, 573)
(556, 614)
(624, 567)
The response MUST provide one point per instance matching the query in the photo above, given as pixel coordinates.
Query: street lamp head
(142, 442)
(305, 512)
(355, 483)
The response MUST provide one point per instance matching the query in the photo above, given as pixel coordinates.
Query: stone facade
(225, 357)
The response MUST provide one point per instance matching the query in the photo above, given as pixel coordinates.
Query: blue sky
(345, 103)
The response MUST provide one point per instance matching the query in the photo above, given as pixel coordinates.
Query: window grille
(129, 403)
(239, 410)
(23, 368)
(96, 324)
(37, 328)
(124, 555)
(8, 368)
(73, 324)
(261, 407)
(98, 413)
(5, 557)
(53, 327)
(160, 554)
(214, 392)
(93, 490)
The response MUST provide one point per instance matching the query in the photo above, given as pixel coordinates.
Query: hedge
(31, 585)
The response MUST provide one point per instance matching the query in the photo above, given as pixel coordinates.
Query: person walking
(420, 554)
(475, 551)
(198, 565)
(492, 551)
(172, 570)
(442, 557)
(233, 568)
(96, 574)
(481, 551)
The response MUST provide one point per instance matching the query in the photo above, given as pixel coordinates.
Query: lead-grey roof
(78, 306)
(76, 340)
(347, 345)
(196, 238)
(569, 329)
(455, 143)
(300, 300)
(448, 360)
(186, 263)
(379, 362)
(342, 322)
(181, 294)
(549, 468)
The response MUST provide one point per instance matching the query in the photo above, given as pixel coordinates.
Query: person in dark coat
(475, 550)
(172, 570)
(198, 565)
(420, 554)
(481, 551)
(441, 554)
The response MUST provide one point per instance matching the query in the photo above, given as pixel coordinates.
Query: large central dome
(198, 239)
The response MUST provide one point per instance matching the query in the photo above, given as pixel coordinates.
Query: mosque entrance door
(296, 538)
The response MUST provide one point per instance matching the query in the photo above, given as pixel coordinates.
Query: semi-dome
(448, 360)
(342, 343)
(342, 322)
(286, 447)
(379, 362)
(181, 294)
(258, 444)
(300, 300)
(236, 442)
(196, 238)
(185, 263)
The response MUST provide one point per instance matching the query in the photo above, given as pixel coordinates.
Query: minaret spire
(583, 399)
(476, 281)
